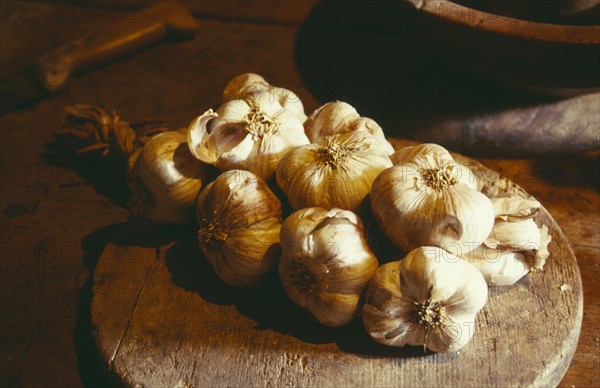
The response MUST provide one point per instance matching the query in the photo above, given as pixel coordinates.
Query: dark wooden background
(58, 212)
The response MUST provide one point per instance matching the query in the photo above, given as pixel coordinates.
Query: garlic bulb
(240, 219)
(249, 83)
(250, 134)
(431, 200)
(337, 173)
(429, 298)
(326, 263)
(164, 179)
(338, 117)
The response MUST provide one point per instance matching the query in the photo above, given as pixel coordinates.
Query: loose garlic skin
(429, 298)
(252, 134)
(338, 117)
(240, 221)
(326, 263)
(337, 173)
(431, 200)
(164, 179)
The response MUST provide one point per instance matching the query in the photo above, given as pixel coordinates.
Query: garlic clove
(515, 208)
(514, 236)
(500, 268)
(198, 138)
(338, 117)
(512, 250)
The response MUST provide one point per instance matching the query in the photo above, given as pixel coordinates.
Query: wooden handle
(134, 33)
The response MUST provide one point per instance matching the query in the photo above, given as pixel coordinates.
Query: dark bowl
(545, 58)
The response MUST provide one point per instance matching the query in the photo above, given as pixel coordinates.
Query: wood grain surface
(161, 317)
(59, 212)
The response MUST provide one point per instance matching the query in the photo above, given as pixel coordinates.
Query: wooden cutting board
(162, 318)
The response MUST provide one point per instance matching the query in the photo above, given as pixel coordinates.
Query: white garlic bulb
(337, 173)
(240, 220)
(326, 263)
(252, 134)
(338, 117)
(164, 179)
(431, 200)
(429, 298)
(246, 84)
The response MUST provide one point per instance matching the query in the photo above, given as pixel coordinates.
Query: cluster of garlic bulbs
(329, 165)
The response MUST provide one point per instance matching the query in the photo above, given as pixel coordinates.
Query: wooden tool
(162, 318)
(49, 74)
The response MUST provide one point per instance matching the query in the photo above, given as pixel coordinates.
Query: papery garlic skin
(240, 220)
(246, 84)
(250, 134)
(164, 179)
(337, 173)
(338, 117)
(326, 263)
(428, 298)
(431, 201)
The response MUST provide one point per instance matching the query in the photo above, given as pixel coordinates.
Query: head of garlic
(164, 179)
(240, 220)
(338, 172)
(251, 133)
(338, 117)
(429, 298)
(326, 263)
(431, 200)
(246, 84)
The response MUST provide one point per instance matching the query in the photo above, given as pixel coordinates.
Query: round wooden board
(162, 318)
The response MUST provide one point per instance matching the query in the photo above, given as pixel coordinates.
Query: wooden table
(58, 212)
